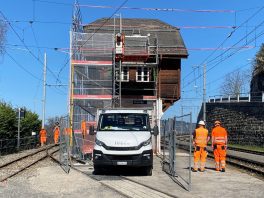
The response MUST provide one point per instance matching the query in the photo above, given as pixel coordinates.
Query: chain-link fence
(65, 132)
(176, 134)
(9, 146)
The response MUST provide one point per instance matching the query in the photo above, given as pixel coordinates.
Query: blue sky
(49, 31)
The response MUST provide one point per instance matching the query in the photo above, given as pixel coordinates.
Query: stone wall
(244, 121)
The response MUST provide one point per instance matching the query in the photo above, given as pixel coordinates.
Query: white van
(123, 138)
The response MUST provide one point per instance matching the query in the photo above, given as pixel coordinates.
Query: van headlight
(147, 142)
(98, 142)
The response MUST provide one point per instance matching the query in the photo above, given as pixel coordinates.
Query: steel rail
(23, 157)
(240, 162)
(123, 177)
(27, 166)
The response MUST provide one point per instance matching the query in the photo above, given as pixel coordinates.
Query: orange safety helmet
(217, 122)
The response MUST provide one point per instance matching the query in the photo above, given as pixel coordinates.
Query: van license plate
(122, 163)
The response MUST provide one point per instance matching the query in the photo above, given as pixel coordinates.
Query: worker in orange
(219, 145)
(83, 128)
(43, 136)
(200, 140)
(56, 134)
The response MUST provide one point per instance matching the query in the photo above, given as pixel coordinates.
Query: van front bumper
(138, 160)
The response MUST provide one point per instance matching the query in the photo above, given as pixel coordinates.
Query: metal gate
(176, 144)
(64, 144)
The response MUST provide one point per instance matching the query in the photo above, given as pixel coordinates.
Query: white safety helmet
(201, 122)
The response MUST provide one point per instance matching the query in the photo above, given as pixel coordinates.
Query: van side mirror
(91, 130)
(155, 130)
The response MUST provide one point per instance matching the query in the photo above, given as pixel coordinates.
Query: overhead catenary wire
(29, 72)
(149, 27)
(223, 42)
(228, 56)
(23, 42)
(108, 19)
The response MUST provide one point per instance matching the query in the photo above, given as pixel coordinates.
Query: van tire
(97, 170)
(148, 171)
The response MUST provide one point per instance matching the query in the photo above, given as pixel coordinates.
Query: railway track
(123, 185)
(246, 151)
(250, 165)
(22, 163)
(185, 138)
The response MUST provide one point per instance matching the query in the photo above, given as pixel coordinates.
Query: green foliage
(30, 123)
(9, 122)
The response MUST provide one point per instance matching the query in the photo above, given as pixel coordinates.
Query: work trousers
(219, 156)
(56, 139)
(43, 140)
(200, 154)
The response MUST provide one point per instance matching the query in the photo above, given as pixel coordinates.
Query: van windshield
(124, 122)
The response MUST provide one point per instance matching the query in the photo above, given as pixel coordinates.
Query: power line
(252, 16)
(153, 26)
(22, 67)
(228, 56)
(23, 42)
(92, 35)
(140, 8)
(30, 73)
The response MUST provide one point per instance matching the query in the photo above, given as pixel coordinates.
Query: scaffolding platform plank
(93, 97)
(87, 62)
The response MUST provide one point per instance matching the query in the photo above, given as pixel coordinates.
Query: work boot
(194, 170)
(202, 170)
(223, 170)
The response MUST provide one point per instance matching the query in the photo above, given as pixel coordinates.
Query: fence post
(249, 97)
(237, 97)
(164, 139)
(190, 153)
(263, 96)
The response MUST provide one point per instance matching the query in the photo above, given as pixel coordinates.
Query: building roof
(168, 37)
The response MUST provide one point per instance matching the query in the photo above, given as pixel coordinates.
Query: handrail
(242, 97)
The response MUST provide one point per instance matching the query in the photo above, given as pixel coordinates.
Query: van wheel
(148, 170)
(97, 170)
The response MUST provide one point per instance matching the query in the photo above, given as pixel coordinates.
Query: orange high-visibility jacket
(56, 131)
(43, 135)
(83, 127)
(219, 136)
(200, 137)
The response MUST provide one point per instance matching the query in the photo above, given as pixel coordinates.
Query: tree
(3, 30)
(257, 81)
(30, 123)
(7, 121)
(235, 83)
(258, 64)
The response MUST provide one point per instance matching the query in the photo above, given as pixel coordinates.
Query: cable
(252, 16)
(108, 19)
(27, 46)
(35, 39)
(228, 56)
(145, 9)
(22, 67)
(28, 72)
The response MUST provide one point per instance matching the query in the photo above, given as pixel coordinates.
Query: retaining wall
(244, 121)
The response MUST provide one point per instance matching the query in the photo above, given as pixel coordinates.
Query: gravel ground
(47, 179)
(7, 158)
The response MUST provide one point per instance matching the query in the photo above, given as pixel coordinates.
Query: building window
(143, 74)
(124, 74)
